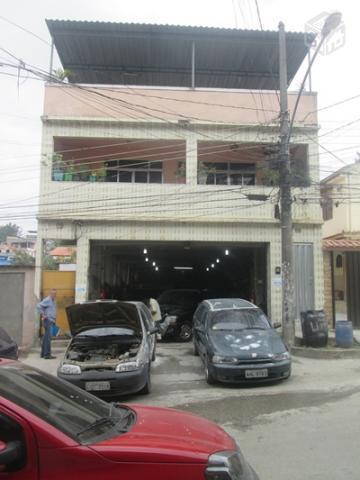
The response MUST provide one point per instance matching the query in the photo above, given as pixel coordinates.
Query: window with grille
(228, 173)
(133, 171)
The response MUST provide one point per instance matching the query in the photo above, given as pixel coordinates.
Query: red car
(52, 430)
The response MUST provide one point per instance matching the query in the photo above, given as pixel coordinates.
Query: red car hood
(166, 435)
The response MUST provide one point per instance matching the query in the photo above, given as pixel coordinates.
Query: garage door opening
(135, 271)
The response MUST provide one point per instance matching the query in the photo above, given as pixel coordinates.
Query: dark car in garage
(238, 344)
(8, 346)
(177, 310)
(112, 346)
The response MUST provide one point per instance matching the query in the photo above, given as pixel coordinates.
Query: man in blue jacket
(47, 310)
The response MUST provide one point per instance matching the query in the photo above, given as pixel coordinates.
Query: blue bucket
(55, 330)
(344, 334)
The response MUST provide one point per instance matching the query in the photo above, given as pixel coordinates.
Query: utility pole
(286, 127)
(288, 322)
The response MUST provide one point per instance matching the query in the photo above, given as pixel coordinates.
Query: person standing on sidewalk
(47, 310)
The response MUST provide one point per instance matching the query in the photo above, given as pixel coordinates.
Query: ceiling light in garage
(207, 269)
(156, 269)
(217, 260)
(183, 268)
(227, 252)
(145, 251)
(146, 259)
(154, 264)
(212, 265)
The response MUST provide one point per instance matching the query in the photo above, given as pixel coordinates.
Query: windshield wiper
(97, 423)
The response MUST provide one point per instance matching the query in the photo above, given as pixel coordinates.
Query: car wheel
(147, 387)
(195, 350)
(184, 333)
(208, 376)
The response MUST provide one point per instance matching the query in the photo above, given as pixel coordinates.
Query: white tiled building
(173, 169)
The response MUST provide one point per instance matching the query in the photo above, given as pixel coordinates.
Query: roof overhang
(343, 244)
(164, 55)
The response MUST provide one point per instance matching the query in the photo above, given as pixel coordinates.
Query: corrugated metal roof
(341, 244)
(147, 54)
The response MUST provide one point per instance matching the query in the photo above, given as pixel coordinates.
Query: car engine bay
(98, 353)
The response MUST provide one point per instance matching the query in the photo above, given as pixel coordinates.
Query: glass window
(230, 173)
(125, 176)
(141, 177)
(241, 319)
(155, 177)
(81, 416)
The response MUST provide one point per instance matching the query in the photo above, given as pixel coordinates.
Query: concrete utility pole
(288, 323)
(286, 126)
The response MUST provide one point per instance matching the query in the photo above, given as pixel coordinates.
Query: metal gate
(64, 283)
(353, 287)
(303, 277)
(12, 304)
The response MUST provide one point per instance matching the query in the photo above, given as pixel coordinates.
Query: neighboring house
(62, 254)
(341, 244)
(15, 244)
(166, 183)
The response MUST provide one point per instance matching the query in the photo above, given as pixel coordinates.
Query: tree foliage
(23, 258)
(10, 229)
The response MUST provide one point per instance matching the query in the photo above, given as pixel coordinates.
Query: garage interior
(138, 270)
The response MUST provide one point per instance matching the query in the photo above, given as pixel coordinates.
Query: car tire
(195, 349)
(184, 332)
(147, 387)
(210, 380)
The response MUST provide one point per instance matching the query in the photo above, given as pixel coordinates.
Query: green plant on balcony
(69, 171)
(58, 167)
(180, 172)
(203, 171)
(98, 175)
(299, 178)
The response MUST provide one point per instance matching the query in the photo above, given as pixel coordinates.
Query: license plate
(256, 373)
(97, 386)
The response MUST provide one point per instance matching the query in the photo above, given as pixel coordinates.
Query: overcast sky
(335, 76)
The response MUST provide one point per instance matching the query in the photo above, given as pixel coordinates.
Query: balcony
(125, 161)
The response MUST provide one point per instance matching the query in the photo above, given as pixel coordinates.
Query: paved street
(305, 428)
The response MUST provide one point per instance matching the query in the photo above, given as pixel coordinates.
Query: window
(228, 173)
(339, 261)
(133, 171)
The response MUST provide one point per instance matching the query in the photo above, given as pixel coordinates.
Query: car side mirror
(10, 452)
(277, 325)
(153, 330)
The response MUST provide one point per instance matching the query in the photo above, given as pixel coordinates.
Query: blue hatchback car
(237, 343)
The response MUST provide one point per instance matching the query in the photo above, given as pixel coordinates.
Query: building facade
(341, 244)
(162, 185)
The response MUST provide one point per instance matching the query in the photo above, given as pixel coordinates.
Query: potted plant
(58, 167)
(203, 172)
(100, 174)
(69, 172)
(180, 173)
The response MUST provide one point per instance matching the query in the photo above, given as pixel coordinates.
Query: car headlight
(69, 369)
(171, 319)
(227, 465)
(127, 367)
(220, 359)
(282, 356)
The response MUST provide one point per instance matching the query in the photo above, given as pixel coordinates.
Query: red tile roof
(341, 244)
(62, 252)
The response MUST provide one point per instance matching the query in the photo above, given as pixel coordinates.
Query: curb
(325, 353)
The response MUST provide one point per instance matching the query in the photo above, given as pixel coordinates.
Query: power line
(24, 29)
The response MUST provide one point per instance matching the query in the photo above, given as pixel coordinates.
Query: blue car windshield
(242, 319)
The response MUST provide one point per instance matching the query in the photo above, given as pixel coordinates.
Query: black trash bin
(314, 328)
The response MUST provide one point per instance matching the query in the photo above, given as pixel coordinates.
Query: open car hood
(88, 315)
